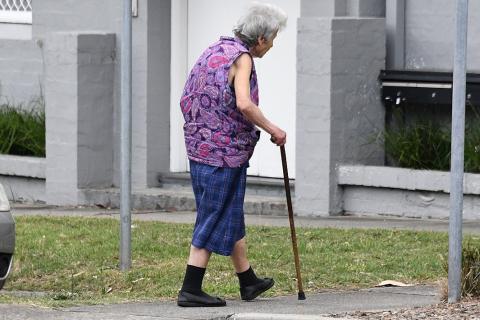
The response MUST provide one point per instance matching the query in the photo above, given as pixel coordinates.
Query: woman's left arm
(242, 68)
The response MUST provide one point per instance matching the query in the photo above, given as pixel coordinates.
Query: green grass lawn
(75, 260)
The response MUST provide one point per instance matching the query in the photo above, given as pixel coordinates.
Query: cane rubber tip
(301, 295)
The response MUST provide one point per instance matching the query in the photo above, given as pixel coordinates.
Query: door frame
(178, 74)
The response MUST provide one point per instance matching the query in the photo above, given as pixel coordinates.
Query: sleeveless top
(216, 132)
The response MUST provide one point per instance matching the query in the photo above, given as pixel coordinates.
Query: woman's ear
(261, 40)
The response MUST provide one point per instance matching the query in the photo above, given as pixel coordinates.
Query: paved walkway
(472, 227)
(323, 305)
(317, 306)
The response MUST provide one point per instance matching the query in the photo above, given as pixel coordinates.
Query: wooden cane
(301, 294)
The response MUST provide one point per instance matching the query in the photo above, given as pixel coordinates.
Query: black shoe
(253, 291)
(187, 299)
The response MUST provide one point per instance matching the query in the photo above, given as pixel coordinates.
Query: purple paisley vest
(216, 132)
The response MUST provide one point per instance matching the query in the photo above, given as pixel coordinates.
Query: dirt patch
(467, 309)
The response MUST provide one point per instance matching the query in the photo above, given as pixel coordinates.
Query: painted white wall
(15, 31)
(178, 74)
(206, 21)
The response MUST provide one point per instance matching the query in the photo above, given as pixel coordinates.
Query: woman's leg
(196, 267)
(239, 256)
(191, 294)
(199, 257)
(250, 285)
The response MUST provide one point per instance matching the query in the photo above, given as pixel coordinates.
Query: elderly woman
(220, 107)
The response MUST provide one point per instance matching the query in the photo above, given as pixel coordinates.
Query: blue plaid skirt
(219, 194)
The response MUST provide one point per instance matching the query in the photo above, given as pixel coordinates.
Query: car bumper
(7, 233)
(7, 236)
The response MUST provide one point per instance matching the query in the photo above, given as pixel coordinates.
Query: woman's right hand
(279, 137)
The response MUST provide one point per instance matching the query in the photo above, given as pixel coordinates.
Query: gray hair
(261, 20)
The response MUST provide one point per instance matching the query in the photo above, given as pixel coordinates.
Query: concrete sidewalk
(324, 305)
(469, 227)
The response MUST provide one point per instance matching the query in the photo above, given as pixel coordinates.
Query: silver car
(7, 237)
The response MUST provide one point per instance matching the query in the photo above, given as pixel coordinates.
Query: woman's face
(263, 46)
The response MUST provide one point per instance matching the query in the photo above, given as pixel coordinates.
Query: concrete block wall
(95, 85)
(79, 104)
(158, 90)
(49, 16)
(314, 54)
(371, 190)
(61, 118)
(72, 15)
(429, 35)
(139, 99)
(358, 55)
(15, 31)
(324, 8)
(151, 93)
(31, 167)
(24, 189)
(338, 8)
(366, 8)
(368, 201)
(21, 71)
(23, 178)
(150, 73)
(338, 105)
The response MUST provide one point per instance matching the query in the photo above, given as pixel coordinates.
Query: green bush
(470, 270)
(426, 145)
(470, 278)
(22, 132)
(472, 146)
(423, 145)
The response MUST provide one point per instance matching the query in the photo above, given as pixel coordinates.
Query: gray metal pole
(458, 137)
(126, 138)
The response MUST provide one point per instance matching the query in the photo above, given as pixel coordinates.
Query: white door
(197, 24)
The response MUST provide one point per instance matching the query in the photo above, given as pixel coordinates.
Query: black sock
(247, 278)
(192, 282)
